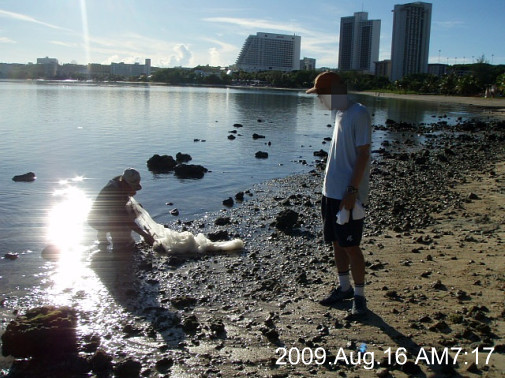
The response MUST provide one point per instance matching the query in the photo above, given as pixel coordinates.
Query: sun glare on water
(66, 231)
(68, 235)
(67, 219)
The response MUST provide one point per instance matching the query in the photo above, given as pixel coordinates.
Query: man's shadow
(123, 273)
(412, 350)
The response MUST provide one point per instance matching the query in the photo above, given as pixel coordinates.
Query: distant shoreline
(496, 106)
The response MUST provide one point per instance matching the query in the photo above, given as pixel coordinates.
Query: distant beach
(495, 105)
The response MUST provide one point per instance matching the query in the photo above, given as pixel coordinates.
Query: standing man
(345, 188)
(110, 213)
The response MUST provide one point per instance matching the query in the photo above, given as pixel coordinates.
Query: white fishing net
(174, 242)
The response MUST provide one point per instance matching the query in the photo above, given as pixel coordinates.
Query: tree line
(462, 80)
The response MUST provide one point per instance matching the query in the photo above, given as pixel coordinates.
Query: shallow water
(75, 137)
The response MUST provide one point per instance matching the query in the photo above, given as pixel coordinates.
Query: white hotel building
(270, 52)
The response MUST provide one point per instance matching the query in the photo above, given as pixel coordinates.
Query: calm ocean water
(75, 137)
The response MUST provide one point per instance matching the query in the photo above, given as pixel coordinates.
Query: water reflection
(66, 226)
(67, 218)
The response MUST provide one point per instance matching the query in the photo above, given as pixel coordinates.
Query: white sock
(343, 280)
(359, 290)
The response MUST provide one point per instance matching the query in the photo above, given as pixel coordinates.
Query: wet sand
(433, 243)
(495, 106)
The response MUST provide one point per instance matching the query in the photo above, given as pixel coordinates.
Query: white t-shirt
(352, 129)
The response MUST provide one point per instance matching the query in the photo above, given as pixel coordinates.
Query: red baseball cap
(328, 83)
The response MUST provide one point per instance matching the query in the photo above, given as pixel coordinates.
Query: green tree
(447, 84)
(467, 85)
(500, 83)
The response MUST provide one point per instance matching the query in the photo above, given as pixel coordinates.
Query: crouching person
(110, 213)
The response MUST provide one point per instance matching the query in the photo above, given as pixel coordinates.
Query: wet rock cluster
(166, 163)
(412, 179)
(45, 332)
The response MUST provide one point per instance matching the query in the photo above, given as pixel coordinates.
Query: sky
(189, 33)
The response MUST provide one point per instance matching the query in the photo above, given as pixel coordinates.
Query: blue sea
(77, 136)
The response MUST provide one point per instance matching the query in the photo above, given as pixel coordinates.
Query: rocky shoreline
(434, 249)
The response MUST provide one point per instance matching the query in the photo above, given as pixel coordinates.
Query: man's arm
(147, 236)
(357, 175)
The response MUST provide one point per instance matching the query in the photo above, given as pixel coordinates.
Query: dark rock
(101, 362)
(238, 125)
(376, 266)
(128, 369)
(239, 196)
(223, 221)
(91, 343)
(182, 158)
(473, 196)
(183, 302)
(231, 137)
(27, 177)
(218, 329)
(258, 136)
(391, 294)
(218, 236)
(11, 256)
(190, 324)
(174, 212)
(321, 153)
(271, 334)
(425, 319)
(228, 202)
(440, 326)
(190, 171)
(473, 368)
(131, 330)
(302, 278)
(286, 220)
(44, 332)
(438, 285)
(261, 155)
(164, 365)
(411, 368)
(161, 164)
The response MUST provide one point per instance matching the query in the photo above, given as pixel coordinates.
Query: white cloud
(181, 55)
(215, 57)
(65, 44)
(25, 18)
(169, 56)
(6, 40)
(259, 24)
(221, 55)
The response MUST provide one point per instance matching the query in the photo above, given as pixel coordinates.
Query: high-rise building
(359, 43)
(308, 64)
(411, 39)
(270, 52)
(49, 66)
(137, 69)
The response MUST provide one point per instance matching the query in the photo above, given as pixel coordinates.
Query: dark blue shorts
(346, 235)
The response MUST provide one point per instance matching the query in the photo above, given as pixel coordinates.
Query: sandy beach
(433, 243)
(495, 107)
